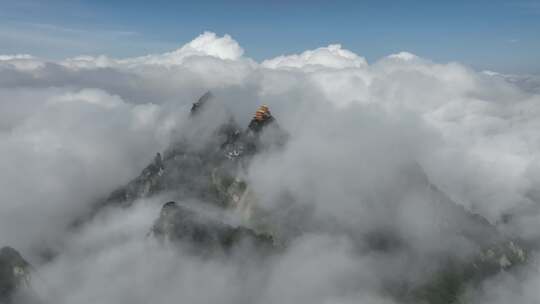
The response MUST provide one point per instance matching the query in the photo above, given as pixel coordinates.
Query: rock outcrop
(14, 273)
(204, 234)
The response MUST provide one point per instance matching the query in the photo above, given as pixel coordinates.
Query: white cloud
(17, 56)
(206, 44)
(484, 120)
(209, 44)
(90, 96)
(63, 150)
(332, 56)
(20, 61)
(72, 130)
(405, 56)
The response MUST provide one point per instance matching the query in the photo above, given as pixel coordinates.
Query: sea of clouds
(71, 131)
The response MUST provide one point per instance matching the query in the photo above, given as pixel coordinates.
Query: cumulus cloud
(17, 56)
(206, 44)
(405, 56)
(73, 130)
(332, 56)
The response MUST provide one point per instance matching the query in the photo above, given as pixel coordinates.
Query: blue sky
(496, 35)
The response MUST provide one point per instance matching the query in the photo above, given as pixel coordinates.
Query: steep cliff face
(211, 172)
(179, 224)
(186, 167)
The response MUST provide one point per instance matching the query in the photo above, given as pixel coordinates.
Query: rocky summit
(210, 171)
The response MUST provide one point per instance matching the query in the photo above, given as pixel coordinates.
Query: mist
(364, 140)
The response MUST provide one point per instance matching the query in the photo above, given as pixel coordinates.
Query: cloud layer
(73, 130)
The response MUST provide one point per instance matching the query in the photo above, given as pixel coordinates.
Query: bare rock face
(211, 143)
(181, 225)
(187, 164)
(14, 273)
(197, 106)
